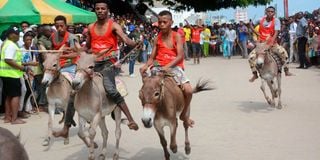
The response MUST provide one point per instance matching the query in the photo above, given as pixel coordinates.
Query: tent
(40, 12)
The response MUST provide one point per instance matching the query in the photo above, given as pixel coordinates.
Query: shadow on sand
(250, 106)
(143, 154)
(84, 152)
(157, 153)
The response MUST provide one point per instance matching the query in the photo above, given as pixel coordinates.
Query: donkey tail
(203, 85)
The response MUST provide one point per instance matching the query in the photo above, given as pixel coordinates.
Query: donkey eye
(156, 94)
(90, 67)
(55, 65)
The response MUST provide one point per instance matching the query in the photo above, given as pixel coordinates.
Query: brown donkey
(269, 67)
(58, 91)
(92, 106)
(163, 100)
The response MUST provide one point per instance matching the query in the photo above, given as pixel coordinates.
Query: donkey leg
(104, 133)
(279, 92)
(173, 130)
(187, 147)
(263, 89)
(81, 133)
(117, 114)
(163, 141)
(51, 109)
(272, 90)
(92, 134)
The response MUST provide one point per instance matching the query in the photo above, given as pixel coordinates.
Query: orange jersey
(108, 40)
(57, 46)
(266, 32)
(166, 55)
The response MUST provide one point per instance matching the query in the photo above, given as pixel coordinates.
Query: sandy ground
(233, 122)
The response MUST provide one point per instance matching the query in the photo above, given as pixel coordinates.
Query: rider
(102, 37)
(67, 63)
(269, 27)
(167, 53)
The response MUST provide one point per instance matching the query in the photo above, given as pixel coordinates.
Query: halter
(162, 85)
(55, 78)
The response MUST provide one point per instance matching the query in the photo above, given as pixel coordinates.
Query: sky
(257, 12)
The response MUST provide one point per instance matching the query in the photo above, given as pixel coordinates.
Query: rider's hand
(166, 69)
(117, 64)
(143, 69)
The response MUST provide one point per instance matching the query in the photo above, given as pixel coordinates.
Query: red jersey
(180, 31)
(63, 61)
(266, 31)
(195, 35)
(166, 55)
(108, 40)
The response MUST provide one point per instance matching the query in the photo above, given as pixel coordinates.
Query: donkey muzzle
(147, 122)
(75, 84)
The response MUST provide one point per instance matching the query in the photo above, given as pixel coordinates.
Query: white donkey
(58, 91)
(92, 105)
(269, 67)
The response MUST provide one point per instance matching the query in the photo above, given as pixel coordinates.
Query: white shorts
(179, 74)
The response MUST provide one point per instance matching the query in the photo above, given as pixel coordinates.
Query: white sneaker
(132, 75)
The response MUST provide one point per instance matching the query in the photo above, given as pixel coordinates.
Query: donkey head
(150, 96)
(85, 70)
(261, 51)
(51, 68)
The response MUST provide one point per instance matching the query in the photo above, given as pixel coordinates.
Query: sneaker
(132, 75)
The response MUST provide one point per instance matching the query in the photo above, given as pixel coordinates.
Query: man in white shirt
(293, 37)
(231, 36)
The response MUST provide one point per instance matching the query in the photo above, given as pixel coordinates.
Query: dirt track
(233, 122)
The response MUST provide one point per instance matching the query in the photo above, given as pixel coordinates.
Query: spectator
(302, 35)
(242, 39)
(11, 70)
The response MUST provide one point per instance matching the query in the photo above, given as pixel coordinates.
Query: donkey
(58, 91)
(10, 147)
(269, 67)
(163, 100)
(92, 105)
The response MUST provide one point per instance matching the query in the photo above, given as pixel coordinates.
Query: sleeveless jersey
(266, 31)
(166, 55)
(100, 42)
(63, 61)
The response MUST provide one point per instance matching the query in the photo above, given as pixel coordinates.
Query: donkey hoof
(102, 157)
(115, 156)
(187, 149)
(174, 148)
(279, 106)
(66, 141)
(95, 145)
(46, 142)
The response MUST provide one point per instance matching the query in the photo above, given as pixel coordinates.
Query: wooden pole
(42, 51)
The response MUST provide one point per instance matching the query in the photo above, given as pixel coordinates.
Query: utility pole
(285, 5)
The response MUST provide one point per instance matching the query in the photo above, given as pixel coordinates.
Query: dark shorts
(11, 86)
(196, 48)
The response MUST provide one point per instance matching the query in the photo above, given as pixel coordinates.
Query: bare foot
(133, 125)
(7, 120)
(189, 123)
(18, 121)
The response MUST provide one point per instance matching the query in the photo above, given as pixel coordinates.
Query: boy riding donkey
(167, 54)
(102, 41)
(269, 27)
